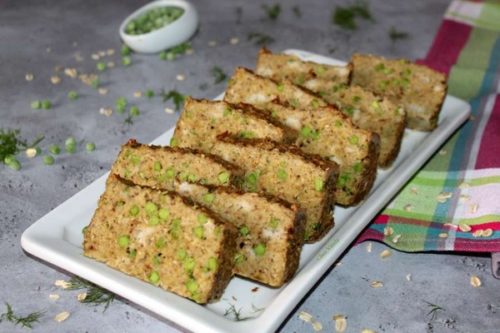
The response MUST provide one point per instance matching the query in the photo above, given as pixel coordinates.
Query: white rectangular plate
(57, 238)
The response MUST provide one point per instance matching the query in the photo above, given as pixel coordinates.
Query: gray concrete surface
(29, 28)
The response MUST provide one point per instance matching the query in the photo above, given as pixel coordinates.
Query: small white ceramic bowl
(166, 37)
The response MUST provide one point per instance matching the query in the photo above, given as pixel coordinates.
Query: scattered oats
(487, 232)
(103, 91)
(111, 64)
(385, 254)
(408, 277)
(71, 72)
(376, 284)
(367, 330)
(316, 325)
(388, 231)
(95, 56)
(212, 43)
(55, 79)
(396, 238)
(369, 247)
(30, 152)
(137, 94)
(29, 77)
(340, 323)
(234, 40)
(101, 53)
(189, 51)
(463, 198)
(443, 152)
(62, 284)
(475, 281)
(81, 296)
(477, 233)
(443, 196)
(88, 78)
(78, 57)
(110, 52)
(338, 264)
(54, 297)
(464, 227)
(106, 111)
(169, 110)
(180, 77)
(414, 190)
(463, 185)
(61, 316)
(473, 208)
(443, 235)
(408, 208)
(305, 316)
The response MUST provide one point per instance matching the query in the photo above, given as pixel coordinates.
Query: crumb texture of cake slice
(323, 130)
(367, 111)
(270, 231)
(161, 238)
(154, 165)
(420, 90)
(202, 120)
(287, 173)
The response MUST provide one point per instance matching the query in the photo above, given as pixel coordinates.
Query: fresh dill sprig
(273, 11)
(129, 120)
(94, 294)
(175, 96)
(260, 39)
(26, 321)
(394, 34)
(345, 17)
(235, 314)
(434, 310)
(218, 74)
(296, 10)
(11, 143)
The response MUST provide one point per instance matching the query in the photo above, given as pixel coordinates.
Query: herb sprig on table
(434, 309)
(95, 295)
(272, 11)
(26, 321)
(175, 96)
(395, 34)
(260, 39)
(345, 17)
(11, 144)
(218, 74)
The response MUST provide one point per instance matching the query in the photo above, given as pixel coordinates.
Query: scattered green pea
(101, 66)
(244, 231)
(9, 159)
(70, 145)
(48, 160)
(46, 104)
(90, 146)
(14, 164)
(149, 93)
(36, 105)
(121, 104)
(73, 95)
(134, 111)
(54, 149)
(95, 83)
(199, 231)
(123, 241)
(125, 50)
(126, 60)
(134, 210)
(319, 184)
(259, 249)
(163, 213)
(154, 277)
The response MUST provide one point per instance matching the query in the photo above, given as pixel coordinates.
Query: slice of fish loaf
(271, 231)
(202, 120)
(152, 165)
(323, 130)
(311, 75)
(287, 173)
(367, 111)
(161, 238)
(419, 89)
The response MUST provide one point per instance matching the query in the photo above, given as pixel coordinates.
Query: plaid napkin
(453, 203)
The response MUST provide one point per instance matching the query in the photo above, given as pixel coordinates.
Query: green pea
(101, 66)
(54, 149)
(259, 250)
(174, 142)
(170, 173)
(189, 264)
(134, 210)
(36, 105)
(202, 218)
(123, 241)
(150, 208)
(199, 231)
(282, 175)
(163, 213)
(192, 286)
(90, 146)
(132, 253)
(208, 198)
(274, 222)
(212, 264)
(157, 166)
(160, 242)
(223, 177)
(154, 277)
(48, 160)
(46, 104)
(14, 165)
(319, 184)
(354, 140)
(244, 231)
(125, 50)
(149, 93)
(181, 254)
(154, 220)
(70, 141)
(134, 111)
(126, 60)
(121, 104)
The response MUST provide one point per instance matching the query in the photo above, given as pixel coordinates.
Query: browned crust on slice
(296, 240)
